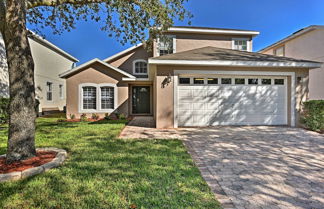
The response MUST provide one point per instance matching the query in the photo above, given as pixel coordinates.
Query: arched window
(140, 67)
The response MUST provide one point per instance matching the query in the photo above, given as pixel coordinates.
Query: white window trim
(280, 47)
(183, 73)
(140, 60)
(174, 40)
(242, 39)
(98, 98)
(49, 91)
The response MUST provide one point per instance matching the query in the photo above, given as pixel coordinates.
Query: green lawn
(104, 172)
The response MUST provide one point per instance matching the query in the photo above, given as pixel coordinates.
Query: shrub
(94, 116)
(72, 116)
(313, 115)
(107, 116)
(122, 116)
(4, 110)
(83, 117)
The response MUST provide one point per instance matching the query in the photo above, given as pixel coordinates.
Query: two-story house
(50, 61)
(307, 43)
(193, 76)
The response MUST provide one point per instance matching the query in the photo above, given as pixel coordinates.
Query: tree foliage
(127, 20)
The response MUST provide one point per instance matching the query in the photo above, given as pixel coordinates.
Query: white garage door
(210, 101)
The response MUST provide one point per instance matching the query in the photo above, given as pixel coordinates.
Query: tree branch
(37, 3)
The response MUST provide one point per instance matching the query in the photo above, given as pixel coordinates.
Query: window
(165, 45)
(239, 80)
(212, 80)
(279, 51)
(279, 81)
(240, 44)
(89, 97)
(184, 80)
(226, 81)
(107, 97)
(253, 81)
(49, 89)
(61, 91)
(266, 81)
(199, 81)
(97, 98)
(140, 67)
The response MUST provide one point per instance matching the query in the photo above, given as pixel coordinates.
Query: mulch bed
(41, 158)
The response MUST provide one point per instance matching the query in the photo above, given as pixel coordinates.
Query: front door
(141, 100)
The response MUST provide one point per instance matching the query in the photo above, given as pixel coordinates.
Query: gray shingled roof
(214, 54)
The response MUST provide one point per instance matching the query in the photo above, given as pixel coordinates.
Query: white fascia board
(122, 52)
(236, 63)
(66, 73)
(52, 46)
(213, 31)
(136, 79)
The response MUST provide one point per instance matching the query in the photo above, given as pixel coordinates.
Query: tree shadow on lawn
(104, 172)
(115, 173)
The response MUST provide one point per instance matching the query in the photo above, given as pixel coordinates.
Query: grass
(104, 172)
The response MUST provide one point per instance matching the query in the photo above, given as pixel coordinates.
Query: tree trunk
(21, 142)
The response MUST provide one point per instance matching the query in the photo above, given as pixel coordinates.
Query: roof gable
(87, 64)
(292, 36)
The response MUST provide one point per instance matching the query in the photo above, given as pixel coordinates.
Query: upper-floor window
(279, 51)
(165, 45)
(140, 67)
(49, 89)
(241, 44)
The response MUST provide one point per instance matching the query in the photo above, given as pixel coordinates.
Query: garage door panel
(203, 105)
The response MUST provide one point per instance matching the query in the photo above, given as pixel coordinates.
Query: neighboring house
(49, 61)
(193, 76)
(307, 43)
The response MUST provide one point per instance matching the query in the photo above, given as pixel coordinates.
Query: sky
(274, 19)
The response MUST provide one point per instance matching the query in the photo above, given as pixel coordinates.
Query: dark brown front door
(141, 100)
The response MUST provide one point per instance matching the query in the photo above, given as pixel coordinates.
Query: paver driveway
(260, 167)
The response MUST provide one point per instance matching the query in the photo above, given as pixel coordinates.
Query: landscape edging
(57, 161)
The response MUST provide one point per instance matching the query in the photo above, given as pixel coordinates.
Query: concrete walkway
(142, 127)
(253, 166)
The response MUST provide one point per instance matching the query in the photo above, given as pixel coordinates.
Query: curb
(56, 162)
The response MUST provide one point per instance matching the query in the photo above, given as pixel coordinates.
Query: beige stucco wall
(309, 46)
(125, 62)
(48, 65)
(187, 41)
(96, 74)
(164, 99)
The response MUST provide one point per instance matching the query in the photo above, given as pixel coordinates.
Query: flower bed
(45, 159)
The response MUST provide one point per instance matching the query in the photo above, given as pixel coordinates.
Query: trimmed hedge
(4, 110)
(313, 115)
